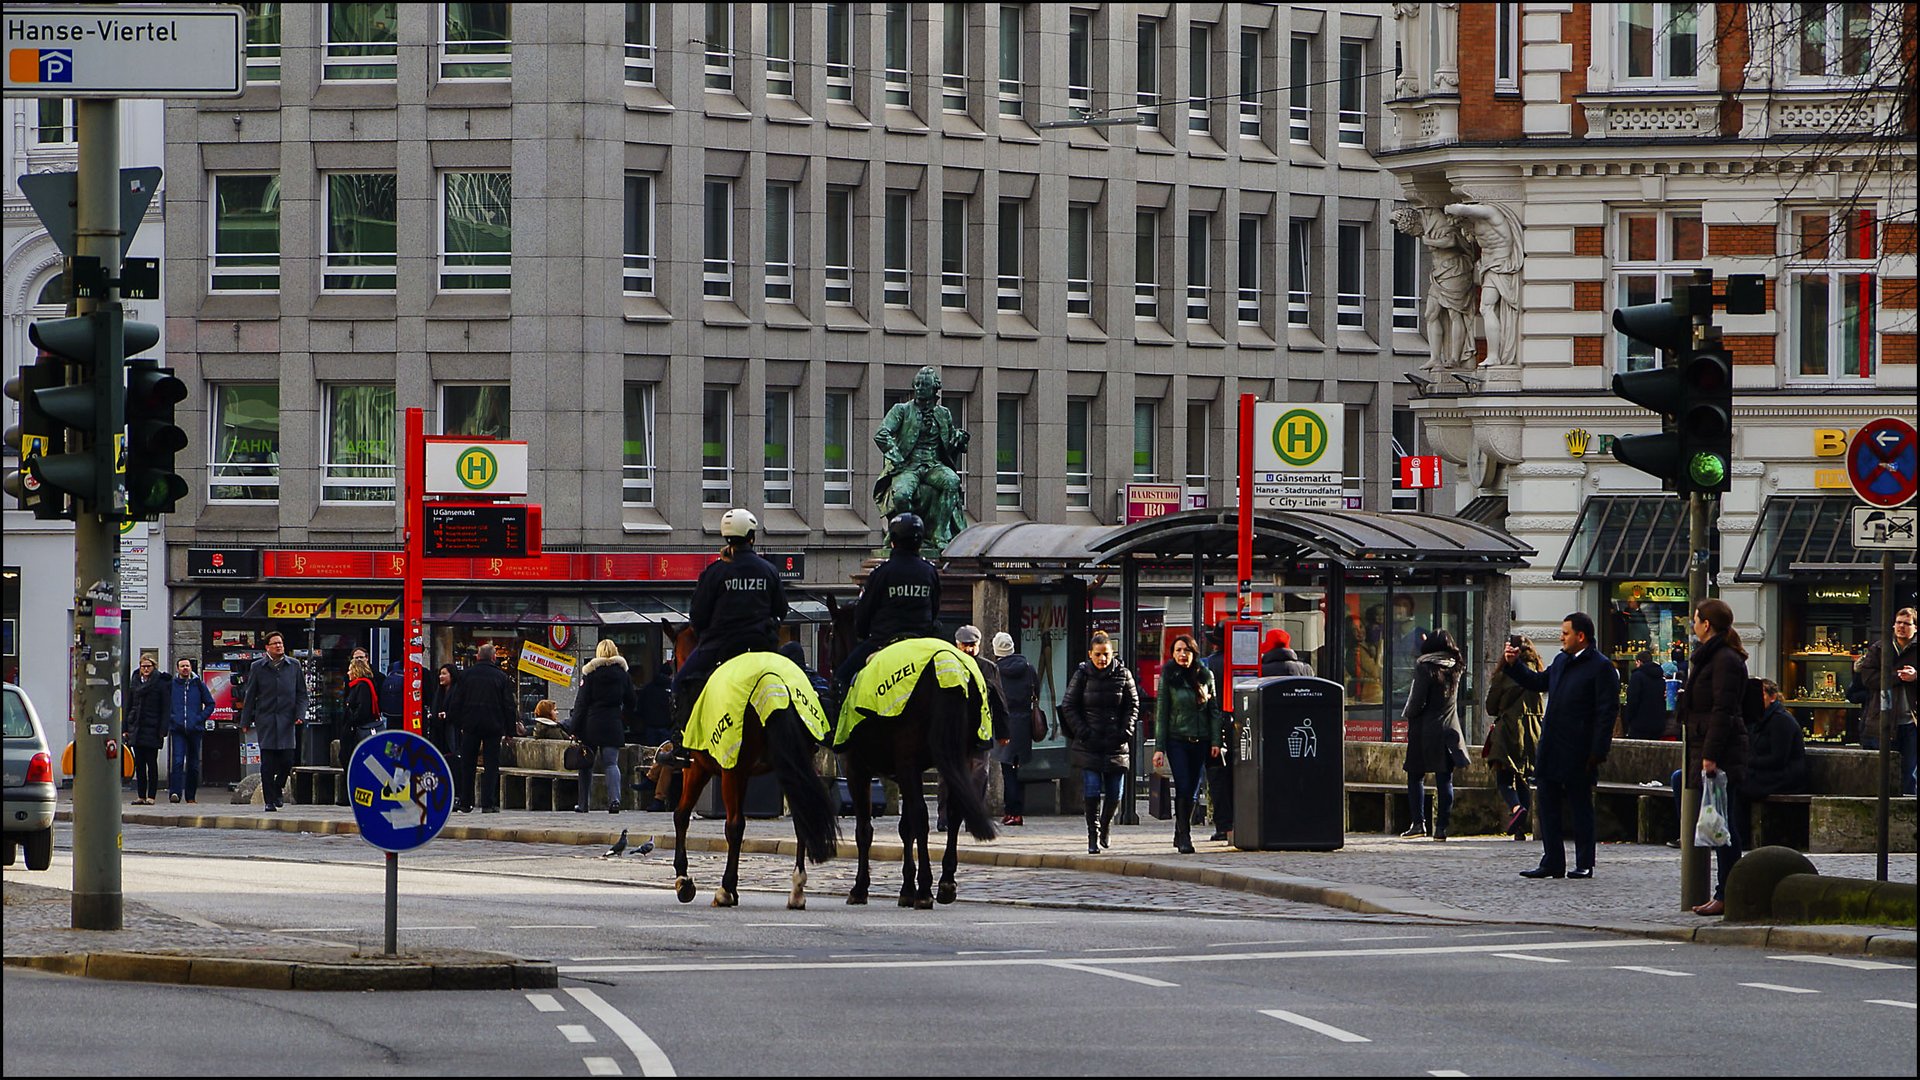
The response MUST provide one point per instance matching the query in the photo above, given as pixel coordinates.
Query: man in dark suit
(1583, 694)
(483, 701)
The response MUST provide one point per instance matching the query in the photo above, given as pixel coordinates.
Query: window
(1012, 92)
(1353, 95)
(1145, 421)
(1299, 86)
(56, 126)
(953, 58)
(716, 447)
(776, 474)
(1199, 77)
(1654, 256)
(1406, 442)
(476, 239)
(1830, 277)
(1079, 259)
(361, 425)
(1832, 40)
(478, 42)
(953, 252)
(245, 447)
(717, 273)
(1659, 42)
(780, 242)
(780, 49)
(246, 234)
(1406, 283)
(1147, 74)
(839, 266)
(640, 44)
(836, 457)
(1146, 264)
(1299, 269)
(1080, 60)
(1199, 446)
(1006, 460)
(899, 90)
(1250, 84)
(897, 243)
(839, 52)
(636, 275)
(1351, 307)
(719, 47)
(263, 42)
(1250, 258)
(1012, 291)
(1079, 478)
(363, 214)
(1506, 48)
(636, 448)
(362, 42)
(1199, 266)
(482, 409)
(1353, 465)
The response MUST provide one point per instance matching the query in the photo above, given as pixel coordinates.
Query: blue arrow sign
(401, 790)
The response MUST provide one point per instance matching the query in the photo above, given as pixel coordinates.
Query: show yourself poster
(1043, 641)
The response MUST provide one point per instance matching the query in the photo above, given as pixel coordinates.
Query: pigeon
(645, 848)
(619, 846)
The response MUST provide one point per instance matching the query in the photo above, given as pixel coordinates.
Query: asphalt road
(1020, 984)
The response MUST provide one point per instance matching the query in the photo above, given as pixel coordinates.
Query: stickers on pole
(401, 790)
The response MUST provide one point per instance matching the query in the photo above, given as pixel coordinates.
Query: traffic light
(76, 468)
(153, 487)
(1706, 427)
(1668, 328)
(32, 438)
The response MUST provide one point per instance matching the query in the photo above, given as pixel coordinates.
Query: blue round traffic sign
(1881, 462)
(401, 790)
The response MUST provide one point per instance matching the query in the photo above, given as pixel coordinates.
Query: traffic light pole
(100, 641)
(1702, 507)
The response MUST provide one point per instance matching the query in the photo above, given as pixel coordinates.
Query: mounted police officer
(901, 600)
(737, 607)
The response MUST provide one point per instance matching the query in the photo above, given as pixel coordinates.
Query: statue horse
(936, 728)
(778, 742)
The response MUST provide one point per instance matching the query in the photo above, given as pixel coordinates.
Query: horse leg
(733, 791)
(858, 783)
(923, 889)
(693, 779)
(948, 891)
(913, 828)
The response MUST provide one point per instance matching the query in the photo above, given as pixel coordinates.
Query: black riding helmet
(906, 530)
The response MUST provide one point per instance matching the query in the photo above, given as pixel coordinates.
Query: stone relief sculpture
(1407, 85)
(1449, 313)
(922, 446)
(1495, 230)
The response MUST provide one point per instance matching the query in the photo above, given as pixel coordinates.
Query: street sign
(1881, 462)
(401, 790)
(1890, 529)
(107, 51)
(52, 196)
(1420, 471)
(476, 467)
(1298, 454)
(1151, 501)
(480, 530)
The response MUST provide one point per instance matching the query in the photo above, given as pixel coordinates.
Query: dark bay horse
(936, 730)
(780, 744)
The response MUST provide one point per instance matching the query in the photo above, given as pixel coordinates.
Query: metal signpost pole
(1886, 731)
(393, 903)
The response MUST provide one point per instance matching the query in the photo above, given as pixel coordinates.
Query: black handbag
(574, 757)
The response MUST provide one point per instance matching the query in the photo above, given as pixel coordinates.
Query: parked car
(29, 782)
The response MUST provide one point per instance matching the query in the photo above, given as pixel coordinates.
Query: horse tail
(790, 750)
(953, 721)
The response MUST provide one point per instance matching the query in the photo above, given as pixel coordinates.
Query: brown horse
(779, 744)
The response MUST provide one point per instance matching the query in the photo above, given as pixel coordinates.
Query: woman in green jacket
(1187, 731)
(1513, 740)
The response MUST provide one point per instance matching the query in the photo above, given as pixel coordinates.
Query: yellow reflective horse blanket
(884, 685)
(766, 682)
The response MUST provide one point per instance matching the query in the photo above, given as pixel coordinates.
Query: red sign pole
(1246, 505)
(412, 602)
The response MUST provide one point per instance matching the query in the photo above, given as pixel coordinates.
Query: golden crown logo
(1577, 441)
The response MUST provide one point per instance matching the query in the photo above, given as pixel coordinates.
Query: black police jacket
(739, 602)
(902, 597)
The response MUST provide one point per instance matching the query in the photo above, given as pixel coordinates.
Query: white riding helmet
(738, 523)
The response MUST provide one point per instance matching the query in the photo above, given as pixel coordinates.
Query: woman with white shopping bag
(1711, 707)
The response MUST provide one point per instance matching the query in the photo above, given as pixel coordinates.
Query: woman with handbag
(598, 720)
(1025, 723)
(1186, 731)
(1513, 736)
(363, 706)
(1713, 708)
(1433, 731)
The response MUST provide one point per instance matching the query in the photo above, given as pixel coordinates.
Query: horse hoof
(948, 891)
(923, 903)
(906, 900)
(683, 889)
(798, 903)
(723, 898)
(858, 899)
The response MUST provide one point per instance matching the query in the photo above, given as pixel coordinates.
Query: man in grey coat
(274, 705)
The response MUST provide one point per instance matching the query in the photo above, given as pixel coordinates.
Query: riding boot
(1093, 825)
(1107, 811)
(682, 712)
(1183, 826)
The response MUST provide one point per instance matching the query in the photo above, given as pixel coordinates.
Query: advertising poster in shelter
(1043, 641)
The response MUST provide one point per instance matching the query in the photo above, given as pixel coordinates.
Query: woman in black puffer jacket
(599, 720)
(144, 729)
(1100, 713)
(1713, 709)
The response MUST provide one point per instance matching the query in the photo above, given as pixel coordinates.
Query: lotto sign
(104, 51)
(1298, 451)
(476, 467)
(1420, 471)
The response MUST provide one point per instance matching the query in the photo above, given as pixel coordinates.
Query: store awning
(1802, 536)
(1631, 537)
(1357, 539)
(1488, 510)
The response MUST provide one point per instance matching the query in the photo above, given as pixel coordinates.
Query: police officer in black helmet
(737, 607)
(901, 600)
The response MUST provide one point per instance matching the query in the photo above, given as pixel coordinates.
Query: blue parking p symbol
(56, 65)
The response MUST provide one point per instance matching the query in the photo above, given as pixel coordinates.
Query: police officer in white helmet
(737, 607)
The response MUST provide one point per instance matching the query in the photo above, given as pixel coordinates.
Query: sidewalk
(1467, 879)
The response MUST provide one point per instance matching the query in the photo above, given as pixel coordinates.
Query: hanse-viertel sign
(109, 51)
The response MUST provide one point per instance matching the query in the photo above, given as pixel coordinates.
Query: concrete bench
(1384, 808)
(318, 785)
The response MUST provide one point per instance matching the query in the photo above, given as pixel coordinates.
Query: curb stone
(378, 973)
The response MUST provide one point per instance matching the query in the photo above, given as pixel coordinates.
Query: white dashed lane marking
(601, 1066)
(1890, 1001)
(1654, 971)
(545, 1003)
(1535, 959)
(1126, 976)
(653, 1060)
(577, 1033)
(1311, 1024)
(1842, 961)
(1781, 989)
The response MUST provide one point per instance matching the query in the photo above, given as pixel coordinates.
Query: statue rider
(922, 446)
(901, 600)
(737, 607)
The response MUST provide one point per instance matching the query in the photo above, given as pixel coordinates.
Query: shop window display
(1824, 628)
(1643, 615)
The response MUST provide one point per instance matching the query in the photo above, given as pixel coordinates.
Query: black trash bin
(1289, 785)
(316, 744)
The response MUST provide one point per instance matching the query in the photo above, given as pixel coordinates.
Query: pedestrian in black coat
(1646, 712)
(1020, 685)
(144, 730)
(1434, 740)
(1777, 761)
(1583, 694)
(483, 706)
(599, 721)
(1100, 714)
(1712, 708)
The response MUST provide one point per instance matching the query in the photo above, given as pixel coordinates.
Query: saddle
(766, 682)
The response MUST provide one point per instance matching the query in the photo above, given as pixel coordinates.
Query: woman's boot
(1183, 826)
(1111, 806)
(1093, 826)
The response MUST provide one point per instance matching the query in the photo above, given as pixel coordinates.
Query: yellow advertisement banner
(555, 667)
(308, 607)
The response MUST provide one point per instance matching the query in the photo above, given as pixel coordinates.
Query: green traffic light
(1707, 471)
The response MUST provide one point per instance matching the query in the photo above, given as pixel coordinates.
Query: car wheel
(39, 849)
